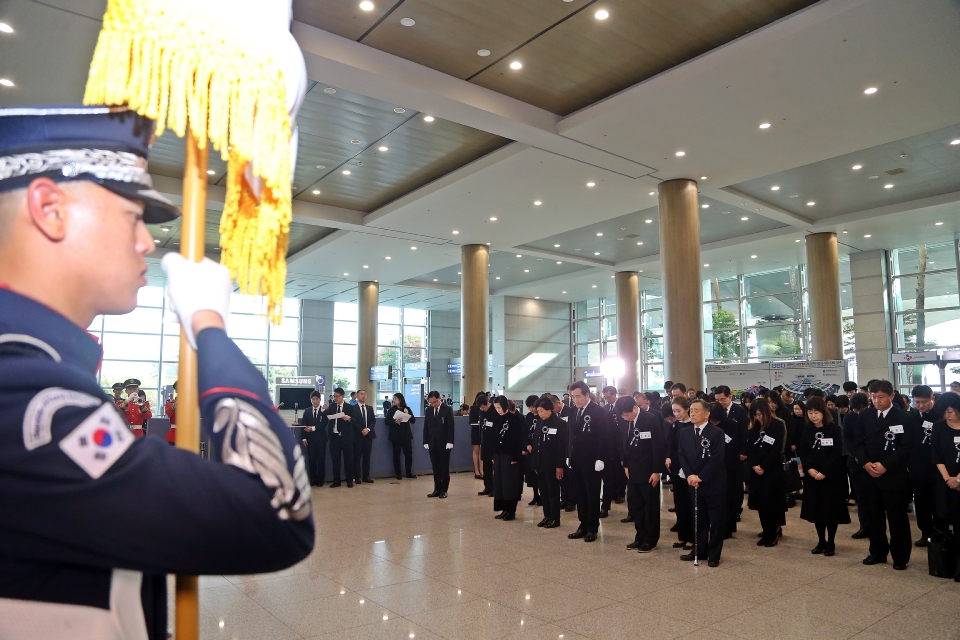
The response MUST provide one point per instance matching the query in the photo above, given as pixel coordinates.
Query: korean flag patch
(98, 441)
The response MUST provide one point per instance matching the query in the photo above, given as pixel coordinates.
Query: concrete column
(368, 303)
(871, 315)
(474, 312)
(628, 328)
(823, 273)
(682, 297)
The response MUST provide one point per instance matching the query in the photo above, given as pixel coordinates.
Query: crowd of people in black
(867, 447)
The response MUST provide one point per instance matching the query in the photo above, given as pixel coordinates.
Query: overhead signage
(306, 381)
(950, 355)
(321, 380)
(798, 375)
(416, 370)
(915, 357)
(382, 372)
(455, 368)
(593, 373)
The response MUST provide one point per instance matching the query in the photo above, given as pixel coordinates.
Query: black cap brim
(156, 208)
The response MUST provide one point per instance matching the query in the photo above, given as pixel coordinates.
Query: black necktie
(363, 415)
(697, 429)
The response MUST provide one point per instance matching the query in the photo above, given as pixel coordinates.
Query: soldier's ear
(47, 206)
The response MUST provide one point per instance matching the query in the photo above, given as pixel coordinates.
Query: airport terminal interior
(511, 196)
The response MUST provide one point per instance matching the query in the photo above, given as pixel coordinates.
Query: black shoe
(477, 476)
(899, 566)
(501, 515)
(922, 542)
(830, 549)
(553, 524)
(604, 513)
(543, 522)
(571, 507)
(509, 516)
(772, 542)
(688, 557)
(761, 534)
(349, 485)
(334, 484)
(618, 500)
(368, 480)
(443, 494)
(634, 545)
(563, 504)
(576, 535)
(860, 534)
(820, 548)
(646, 547)
(713, 563)
(482, 493)
(433, 494)
(532, 503)
(872, 559)
(738, 517)
(780, 532)
(399, 477)
(672, 509)
(727, 536)
(590, 537)
(411, 476)
(627, 519)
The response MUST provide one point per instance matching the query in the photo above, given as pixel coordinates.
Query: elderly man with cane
(701, 465)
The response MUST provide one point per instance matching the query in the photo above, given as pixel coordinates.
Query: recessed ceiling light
(413, 248)
(703, 177)
(872, 177)
(798, 240)
(165, 229)
(888, 186)
(516, 65)
(459, 273)
(493, 218)
(652, 193)
(745, 218)
(455, 232)
(383, 148)
(704, 206)
(497, 278)
(408, 22)
(765, 125)
(526, 270)
(706, 264)
(483, 53)
(811, 203)
(559, 262)
(753, 256)
(938, 224)
(556, 246)
(320, 166)
(774, 188)
(428, 118)
(596, 253)
(867, 235)
(957, 141)
(563, 292)
(387, 258)
(680, 154)
(345, 172)
(591, 184)
(639, 243)
(844, 231)
(399, 110)
(519, 256)
(434, 279)
(5, 28)
(870, 91)
(354, 141)
(648, 221)
(156, 242)
(366, 5)
(599, 233)
(316, 192)
(366, 266)
(537, 203)
(857, 167)
(329, 90)
(211, 172)
(535, 298)
(594, 286)
(603, 14)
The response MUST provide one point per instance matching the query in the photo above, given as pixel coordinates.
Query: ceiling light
(156, 242)
(954, 142)
(383, 149)
(387, 258)
(811, 203)
(704, 206)
(648, 221)
(867, 235)
(870, 91)
(455, 232)
(535, 298)
(320, 166)
(596, 253)
(366, 266)
(165, 229)
(516, 65)
(652, 193)
(5, 28)
(591, 184)
(493, 218)
(765, 125)
(366, 5)
(872, 177)
(483, 53)
(594, 286)
(434, 279)
(938, 224)
(639, 243)
(559, 262)
(329, 90)
(603, 14)
(703, 177)
(857, 167)
(556, 246)
(211, 172)
(798, 240)
(428, 118)
(844, 231)
(345, 172)
(399, 110)
(497, 278)
(794, 196)
(888, 186)
(526, 270)
(537, 203)
(745, 218)
(316, 192)
(599, 233)
(354, 141)
(408, 22)
(680, 154)
(519, 256)
(753, 256)
(774, 188)
(413, 248)
(563, 292)
(346, 274)
(706, 264)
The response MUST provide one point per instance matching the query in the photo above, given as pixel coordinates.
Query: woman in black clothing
(486, 417)
(529, 471)
(732, 463)
(681, 496)
(945, 454)
(746, 399)
(767, 491)
(400, 435)
(475, 412)
(510, 433)
(798, 418)
(548, 453)
(824, 475)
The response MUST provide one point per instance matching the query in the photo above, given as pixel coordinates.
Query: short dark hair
(717, 413)
(503, 401)
(610, 389)
(545, 403)
(566, 394)
(947, 400)
(724, 389)
(481, 399)
(922, 391)
(338, 390)
(850, 386)
(626, 404)
(841, 401)
(434, 394)
(859, 401)
(818, 404)
(353, 393)
(679, 385)
(316, 394)
(881, 386)
(667, 385)
(811, 392)
(532, 401)
(581, 386)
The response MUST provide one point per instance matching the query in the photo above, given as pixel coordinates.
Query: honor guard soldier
(92, 518)
(170, 408)
(117, 393)
(135, 408)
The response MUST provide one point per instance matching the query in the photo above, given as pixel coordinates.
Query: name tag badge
(768, 440)
(826, 442)
(645, 435)
(896, 428)
(727, 439)
(956, 439)
(551, 432)
(927, 425)
(564, 418)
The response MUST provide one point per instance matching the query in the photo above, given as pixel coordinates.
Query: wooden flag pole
(188, 402)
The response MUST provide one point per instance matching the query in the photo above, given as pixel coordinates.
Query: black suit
(733, 439)
(316, 444)
(401, 437)
(591, 441)
(549, 454)
(437, 434)
(889, 441)
(566, 414)
(703, 456)
(614, 479)
(363, 444)
(643, 453)
(342, 436)
(858, 477)
(924, 476)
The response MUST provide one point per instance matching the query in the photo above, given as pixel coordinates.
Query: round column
(368, 302)
(682, 297)
(628, 328)
(474, 314)
(823, 274)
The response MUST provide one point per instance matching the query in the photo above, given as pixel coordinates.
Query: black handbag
(942, 555)
(791, 476)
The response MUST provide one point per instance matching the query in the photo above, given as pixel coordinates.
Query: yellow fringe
(181, 70)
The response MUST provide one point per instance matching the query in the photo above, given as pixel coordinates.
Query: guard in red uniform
(170, 408)
(136, 409)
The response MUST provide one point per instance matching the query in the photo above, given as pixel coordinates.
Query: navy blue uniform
(92, 516)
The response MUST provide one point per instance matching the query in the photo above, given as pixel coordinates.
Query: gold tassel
(180, 69)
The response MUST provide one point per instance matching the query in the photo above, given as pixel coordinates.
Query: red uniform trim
(230, 390)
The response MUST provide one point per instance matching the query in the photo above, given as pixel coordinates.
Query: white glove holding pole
(196, 286)
(449, 445)
(426, 446)
(599, 465)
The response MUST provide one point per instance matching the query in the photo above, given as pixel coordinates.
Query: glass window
(932, 291)
(96, 326)
(415, 317)
(343, 378)
(938, 256)
(653, 323)
(723, 315)
(140, 320)
(117, 371)
(150, 297)
(288, 329)
(928, 330)
(388, 356)
(610, 327)
(388, 315)
(414, 355)
(593, 354)
(284, 353)
(653, 348)
(171, 348)
(414, 336)
(770, 341)
(276, 372)
(344, 355)
(388, 334)
(345, 311)
(610, 348)
(653, 298)
(783, 307)
(609, 306)
(291, 309)
(655, 377)
(253, 305)
(717, 289)
(245, 326)
(131, 346)
(344, 332)
(588, 330)
(772, 282)
(722, 345)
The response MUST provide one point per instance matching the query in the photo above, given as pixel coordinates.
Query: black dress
(824, 501)
(945, 450)
(507, 478)
(682, 500)
(767, 491)
(532, 421)
(401, 438)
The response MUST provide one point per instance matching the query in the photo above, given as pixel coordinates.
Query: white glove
(599, 465)
(426, 446)
(196, 286)
(449, 445)
(568, 462)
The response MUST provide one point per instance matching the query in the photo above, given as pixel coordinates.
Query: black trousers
(709, 523)
(407, 447)
(338, 447)
(644, 504)
(925, 506)
(585, 486)
(889, 505)
(858, 478)
(488, 475)
(440, 461)
(612, 470)
(771, 521)
(361, 455)
(316, 456)
(565, 495)
(549, 493)
(734, 497)
(684, 506)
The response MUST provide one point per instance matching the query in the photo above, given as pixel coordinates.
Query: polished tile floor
(390, 563)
